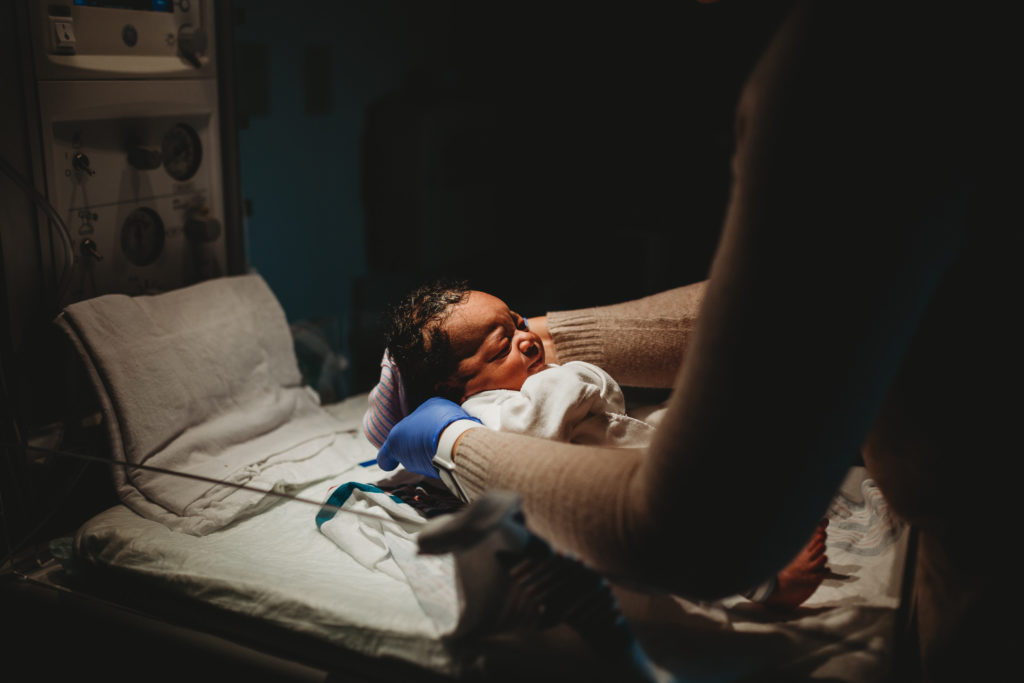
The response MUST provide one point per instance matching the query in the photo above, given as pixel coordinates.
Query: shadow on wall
(572, 161)
(304, 80)
(564, 160)
(319, 345)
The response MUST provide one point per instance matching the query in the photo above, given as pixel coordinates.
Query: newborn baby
(468, 346)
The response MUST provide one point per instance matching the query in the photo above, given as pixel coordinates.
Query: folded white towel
(203, 380)
(381, 536)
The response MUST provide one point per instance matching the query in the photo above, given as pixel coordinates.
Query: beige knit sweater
(853, 304)
(587, 500)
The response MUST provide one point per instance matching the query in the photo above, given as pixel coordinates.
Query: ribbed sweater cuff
(576, 335)
(472, 464)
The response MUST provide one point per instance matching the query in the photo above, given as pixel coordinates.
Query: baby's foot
(801, 577)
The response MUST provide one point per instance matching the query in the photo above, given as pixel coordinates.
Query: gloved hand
(413, 441)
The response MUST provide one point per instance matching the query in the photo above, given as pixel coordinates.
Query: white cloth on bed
(378, 530)
(203, 381)
(843, 632)
(278, 567)
(275, 567)
(575, 402)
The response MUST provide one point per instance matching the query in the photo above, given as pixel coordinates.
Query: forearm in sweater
(572, 495)
(640, 342)
(594, 503)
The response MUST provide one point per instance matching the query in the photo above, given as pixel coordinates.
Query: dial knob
(182, 151)
(201, 227)
(144, 158)
(81, 163)
(142, 236)
(191, 43)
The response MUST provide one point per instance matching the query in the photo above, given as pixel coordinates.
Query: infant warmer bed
(221, 552)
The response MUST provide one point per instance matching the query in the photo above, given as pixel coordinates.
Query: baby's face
(496, 349)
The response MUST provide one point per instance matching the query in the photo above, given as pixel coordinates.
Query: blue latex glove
(413, 441)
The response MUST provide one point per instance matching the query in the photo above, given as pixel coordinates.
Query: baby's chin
(536, 367)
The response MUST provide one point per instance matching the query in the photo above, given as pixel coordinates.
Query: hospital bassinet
(186, 577)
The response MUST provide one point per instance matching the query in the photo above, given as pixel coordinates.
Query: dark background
(556, 154)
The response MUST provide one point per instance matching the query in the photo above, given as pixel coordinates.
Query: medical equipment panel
(129, 111)
(123, 39)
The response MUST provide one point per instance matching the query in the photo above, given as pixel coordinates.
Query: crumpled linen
(203, 382)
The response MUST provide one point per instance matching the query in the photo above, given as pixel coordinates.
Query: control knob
(192, 43)
(200, 226)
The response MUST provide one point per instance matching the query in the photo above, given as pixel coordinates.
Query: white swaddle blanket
(383, 538)
(203, 381)
(575, 402)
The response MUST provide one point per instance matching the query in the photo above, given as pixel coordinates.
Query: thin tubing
(41, 202)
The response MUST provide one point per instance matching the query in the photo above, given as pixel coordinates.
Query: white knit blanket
(203, 381)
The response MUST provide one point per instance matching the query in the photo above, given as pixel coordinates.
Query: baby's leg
(801, 577)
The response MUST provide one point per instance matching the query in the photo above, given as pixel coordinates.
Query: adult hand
(412, 442)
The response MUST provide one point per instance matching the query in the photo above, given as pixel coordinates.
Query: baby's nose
(528, 346)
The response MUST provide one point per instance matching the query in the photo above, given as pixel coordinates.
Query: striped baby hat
(386, 403)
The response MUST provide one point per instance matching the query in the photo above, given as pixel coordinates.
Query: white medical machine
(120, 175)
(130, 140)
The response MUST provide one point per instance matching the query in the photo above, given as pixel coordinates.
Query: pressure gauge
(142, 236)
(182, 151)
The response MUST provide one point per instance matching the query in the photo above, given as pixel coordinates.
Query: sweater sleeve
(588, 521)
(777, 388)
(640, 343)
(589, 500)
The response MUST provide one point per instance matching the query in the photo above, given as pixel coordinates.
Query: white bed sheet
(279, 567)
(843, 632)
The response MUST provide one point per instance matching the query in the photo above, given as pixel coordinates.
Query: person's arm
(640, 343)
(841, 223)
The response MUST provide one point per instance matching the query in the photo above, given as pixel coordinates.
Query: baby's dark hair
(419, 345)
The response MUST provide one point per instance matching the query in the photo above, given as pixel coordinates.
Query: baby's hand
(801, 577)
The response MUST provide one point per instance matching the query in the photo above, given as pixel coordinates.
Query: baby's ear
(451, 389)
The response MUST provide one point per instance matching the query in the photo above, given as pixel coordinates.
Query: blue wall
(300, 172)
(561, 159)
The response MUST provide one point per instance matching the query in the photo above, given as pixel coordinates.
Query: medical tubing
(17, 547)
(199, 477)
(8, 541)
(41, 202)
(13, 548)
(5, 394)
